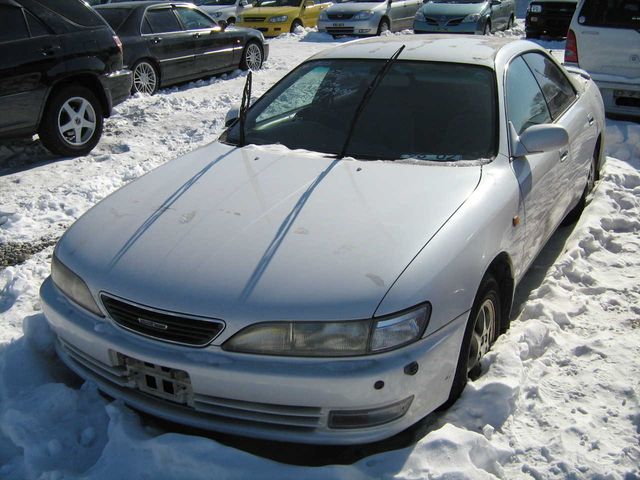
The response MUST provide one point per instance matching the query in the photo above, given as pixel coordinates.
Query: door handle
(564, 155)
(196, 35)
(590, 118)
(49, 50)
(156, 40)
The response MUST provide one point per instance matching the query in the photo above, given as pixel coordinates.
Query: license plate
(626, 93)
(338, 24)
(158, 381)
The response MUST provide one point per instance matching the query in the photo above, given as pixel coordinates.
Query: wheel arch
(501, 268)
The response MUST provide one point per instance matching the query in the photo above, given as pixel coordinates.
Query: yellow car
(273, 17)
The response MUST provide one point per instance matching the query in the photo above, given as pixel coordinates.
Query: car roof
(479, 50)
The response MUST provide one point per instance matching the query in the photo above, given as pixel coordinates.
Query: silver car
(336, 265)
(368, 17)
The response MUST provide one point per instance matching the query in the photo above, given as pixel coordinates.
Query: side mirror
(389, 2)
(232, 115)
(538, 139)
(495, 3)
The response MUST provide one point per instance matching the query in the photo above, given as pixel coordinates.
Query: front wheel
(483, 328)
(72, 122)
(384, 26)
(510, 23)
(252, 57)
(487, 28)
(295, 24)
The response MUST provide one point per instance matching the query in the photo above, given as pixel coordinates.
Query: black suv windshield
(611, 13)
(422, 110)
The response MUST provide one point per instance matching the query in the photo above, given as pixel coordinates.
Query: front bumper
(117, 87)
(268, 29)
(469, 27)
(350, 27)
(619, 97)
(277, 398)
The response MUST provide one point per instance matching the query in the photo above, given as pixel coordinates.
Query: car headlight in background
(471, 18)
(332, 339)
(363, 15)
(420, 16)
(279, 19)
(535, 8)
(73, 286)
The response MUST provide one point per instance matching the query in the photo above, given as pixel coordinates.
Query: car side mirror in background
(232, 115)
(538, 139)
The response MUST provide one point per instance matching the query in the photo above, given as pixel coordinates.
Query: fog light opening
(369, 418)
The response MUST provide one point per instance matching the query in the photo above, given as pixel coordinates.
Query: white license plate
(338, 24)
(162, 382)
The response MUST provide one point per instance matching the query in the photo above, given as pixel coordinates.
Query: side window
(35, 26)
(162, 21)
(526, 105)
(76, 11)
(193, 19)
(554, 84)
(13, 24)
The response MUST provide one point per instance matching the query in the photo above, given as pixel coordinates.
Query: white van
(604, 40)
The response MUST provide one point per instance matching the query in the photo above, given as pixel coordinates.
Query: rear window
(75, 11)
(115, 16)
(611, 13)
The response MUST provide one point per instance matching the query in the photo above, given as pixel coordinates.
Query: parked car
(603, 40)
(338, 263)
(223, 11)
(549, 17)
(465, 16)
(368, 17)
(167, 43)
(60, 73)
(273, 17)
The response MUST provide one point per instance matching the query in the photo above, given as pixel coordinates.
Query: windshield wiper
(367, 96)
(244, 106)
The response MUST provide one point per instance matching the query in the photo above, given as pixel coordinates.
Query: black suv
(60, 73)
(549, 17)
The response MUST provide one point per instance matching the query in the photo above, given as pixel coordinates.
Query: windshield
(214, 3)
(611, 13)
(420, 110)
(277, 3)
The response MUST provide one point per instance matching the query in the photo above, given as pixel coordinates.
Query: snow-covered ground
(560, 396)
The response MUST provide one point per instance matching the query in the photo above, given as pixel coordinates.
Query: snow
(559, 395)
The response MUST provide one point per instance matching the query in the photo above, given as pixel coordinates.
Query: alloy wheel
(253, 57)
(484, 333)
(145, 79)
(76, 121)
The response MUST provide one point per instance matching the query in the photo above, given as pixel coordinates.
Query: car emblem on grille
(152, 324)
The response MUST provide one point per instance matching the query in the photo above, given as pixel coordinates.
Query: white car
(368, 17)
(223, 11)
(336, 265)
(604, 40)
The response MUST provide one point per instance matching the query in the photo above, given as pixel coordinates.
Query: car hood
(450, 9)
(270, 11)
(351, 7)
(264, 233)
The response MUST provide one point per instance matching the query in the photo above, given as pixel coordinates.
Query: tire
(231, 21)
(510, 23)
(295, 24)
(487, 28)
(252, 56)
(384, 26)
(480, 334)
(72, 122)
(145, 78)
(592, 177)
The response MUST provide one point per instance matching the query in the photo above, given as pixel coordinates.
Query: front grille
(340, 30)
(162, 325)
(455, 21)
(431, 21)
(254, 19)
(340, 16)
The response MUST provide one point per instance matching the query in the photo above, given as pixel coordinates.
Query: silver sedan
(337, 264)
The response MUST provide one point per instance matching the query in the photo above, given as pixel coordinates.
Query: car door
(410, 9)
(27, 51)
(540, 174)
(169, 44)
(213, 48)
(310, 10)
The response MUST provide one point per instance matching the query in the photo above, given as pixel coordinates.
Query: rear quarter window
(115, 17)
(75, 11)
(610, 13)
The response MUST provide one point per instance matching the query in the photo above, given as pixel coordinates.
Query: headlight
(332, 339)
(535, 8)
(280, 19)
(363, 15)
(472, 18)
(420, 16)
(73, 286)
